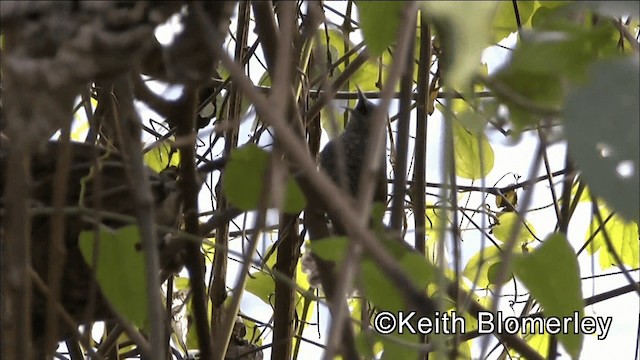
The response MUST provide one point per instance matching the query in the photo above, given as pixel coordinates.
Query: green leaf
(484, 266)
(119, 270)
(504, 22)
(624, 240)
(435, 223)
(463, 37)
(603, 133)
(254, 332)
(161, 157)
(261, 285)
(400, 346)
(330, 48)
(545, 59)
(366, 77)
(552, 275)
(468, 154)
(544, 90)
(331, 248)
(419, 270)
(243, 180)
(493, 274)
(294, 200)
(379, 23)
(503, 229)
(384, 294)
(377, 287)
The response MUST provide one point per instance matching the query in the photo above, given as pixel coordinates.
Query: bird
(342, 160)
(343, 157)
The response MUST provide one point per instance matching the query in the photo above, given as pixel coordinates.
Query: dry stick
(547, 168)
(449, 163)
(111, 340)
(266, 29)
(218, 282)
(624, 31)
(16, 319)
(498, 191)
(57, 250)
(284, 102)
(74, 349)
(143, 199)
(184, 119)
(231, 311)
(419, 171)
(97, 189)
(347, 268)
(339, 205)
(420, 148)
(402, 138)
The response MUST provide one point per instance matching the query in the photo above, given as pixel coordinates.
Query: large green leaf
(552, 275)
(482, 266)
(263, 286)
(623, 235)
(379, 23)
(473, 153)
(331, 248)
(463, 37)
(603, 133)
(504, 22)
(383, 293)
(243, 180)
(544, 60)
(119, 270)
(244, 175)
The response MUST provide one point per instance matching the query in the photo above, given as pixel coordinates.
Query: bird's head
(360, 115)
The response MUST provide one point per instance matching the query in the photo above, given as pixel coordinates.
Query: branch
(130, 134)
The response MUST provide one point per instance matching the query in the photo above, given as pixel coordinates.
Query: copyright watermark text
(387, 322)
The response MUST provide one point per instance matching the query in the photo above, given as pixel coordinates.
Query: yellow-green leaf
(624, 239)
(503, 230)
(470, 152)
(243, 180)
(331, 248)
(463, 37)
(161, 157)
(379, 23)
(552, 275)
(119, 270)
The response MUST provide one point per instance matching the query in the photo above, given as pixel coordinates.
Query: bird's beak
(361, 98)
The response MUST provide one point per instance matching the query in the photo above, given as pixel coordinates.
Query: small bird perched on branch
(342, 159)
